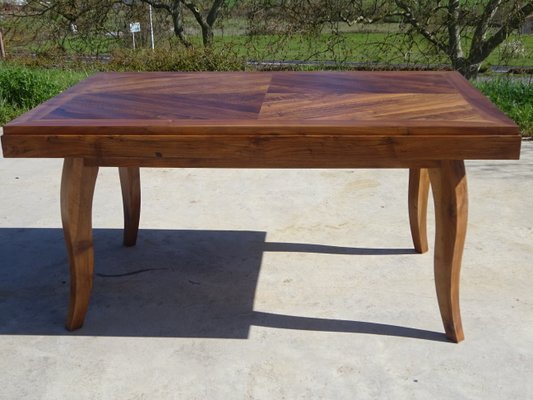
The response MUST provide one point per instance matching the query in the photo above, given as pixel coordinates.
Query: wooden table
(429, 122)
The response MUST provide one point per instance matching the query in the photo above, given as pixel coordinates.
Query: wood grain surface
(449, 187)
(303, 119)
(418, 207)
(77, 189)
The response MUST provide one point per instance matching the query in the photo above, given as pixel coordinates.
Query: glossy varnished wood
(77, 189)
(448, 184)
(418, 204)
(265, 151)
(130, 184)
(305, 119)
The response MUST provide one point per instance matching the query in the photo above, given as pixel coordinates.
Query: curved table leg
(130, 184)
(418, 205)
(449, 188)
(77, 189)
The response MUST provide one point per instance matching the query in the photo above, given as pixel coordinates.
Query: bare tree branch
(483, 23)
(214, 11)
(512, 23)
(455, 49)
(413, 21)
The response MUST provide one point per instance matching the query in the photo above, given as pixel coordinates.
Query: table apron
(258, 151)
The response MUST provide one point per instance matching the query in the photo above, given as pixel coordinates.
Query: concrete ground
(265, 284)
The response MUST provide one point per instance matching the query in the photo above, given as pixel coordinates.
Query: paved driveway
(265, 284)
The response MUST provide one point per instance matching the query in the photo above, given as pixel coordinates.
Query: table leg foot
(77, 189)
(418, 203)
(449, 188)
(130, 184)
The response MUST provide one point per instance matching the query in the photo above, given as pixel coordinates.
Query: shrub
(514, 97)
(192, 59)
(8, 111)
(512, 49)
(24, 88)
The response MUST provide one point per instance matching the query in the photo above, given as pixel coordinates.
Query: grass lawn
(357, 43)
(361, 47)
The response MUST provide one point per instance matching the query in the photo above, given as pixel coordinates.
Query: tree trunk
(207, 35)
(455, 48)
(206, 24)
(177, 20)
(468, 69)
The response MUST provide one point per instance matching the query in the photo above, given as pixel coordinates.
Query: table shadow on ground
(174, 283)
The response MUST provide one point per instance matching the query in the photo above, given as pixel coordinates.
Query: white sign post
(151, 25)
(134, 27)
(2, 48)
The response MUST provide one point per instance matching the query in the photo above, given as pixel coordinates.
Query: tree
(204, 13)
(465, 32)
(448, 25)
(55, 22)
(87, 20)
(175, 10)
